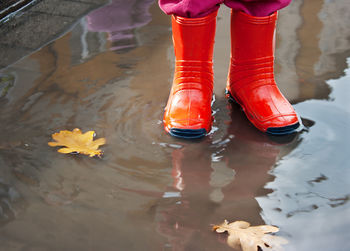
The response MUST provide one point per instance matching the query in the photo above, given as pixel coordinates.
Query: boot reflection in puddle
(206, 191)
(184, 214)
(252, 155)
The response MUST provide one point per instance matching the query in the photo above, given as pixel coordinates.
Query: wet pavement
(37, 24)
(111, 72)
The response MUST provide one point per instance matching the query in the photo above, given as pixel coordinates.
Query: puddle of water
(112, 74)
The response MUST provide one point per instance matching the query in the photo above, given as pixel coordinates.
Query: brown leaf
(242, 235)
(76, 141)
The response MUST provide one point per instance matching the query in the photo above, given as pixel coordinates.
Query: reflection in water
(205, 192)
(311, 184)
(119, 19)
(112, 73)
(312, 47)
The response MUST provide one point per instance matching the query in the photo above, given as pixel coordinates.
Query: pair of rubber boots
(250, 80)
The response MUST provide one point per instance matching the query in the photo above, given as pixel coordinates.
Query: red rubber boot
(188, 112)
(251, 80)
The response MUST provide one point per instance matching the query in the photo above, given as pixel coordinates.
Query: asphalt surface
(30, 27)
(9, 7)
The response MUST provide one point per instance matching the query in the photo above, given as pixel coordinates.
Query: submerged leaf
(242, 235)
(77, 142)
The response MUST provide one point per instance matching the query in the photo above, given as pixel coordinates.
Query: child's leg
(189, 8)
(200, 8)
(257, 8)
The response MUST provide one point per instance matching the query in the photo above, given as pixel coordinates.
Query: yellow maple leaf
(242, 235)
(76, 141)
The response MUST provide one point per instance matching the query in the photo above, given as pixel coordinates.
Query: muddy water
(111, 73)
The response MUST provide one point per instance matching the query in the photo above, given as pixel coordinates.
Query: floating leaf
(242, 235)
(76, 141)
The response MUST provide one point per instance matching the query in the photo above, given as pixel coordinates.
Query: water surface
(111, 73)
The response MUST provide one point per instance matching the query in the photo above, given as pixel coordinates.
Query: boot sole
(187, 133)
(285, 130)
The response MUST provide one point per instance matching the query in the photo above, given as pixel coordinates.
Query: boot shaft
(252, 38)
(252, 47)
(193, 38)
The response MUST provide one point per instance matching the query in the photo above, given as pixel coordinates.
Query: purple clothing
(200, 8)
